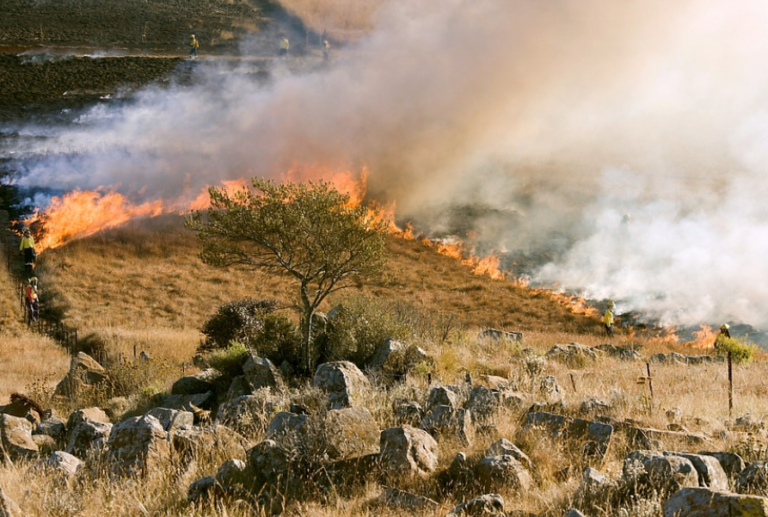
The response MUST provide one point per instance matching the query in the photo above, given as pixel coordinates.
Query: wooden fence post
(650, 382)
(730, 385)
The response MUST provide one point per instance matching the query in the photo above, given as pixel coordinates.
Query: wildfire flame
(704, 338)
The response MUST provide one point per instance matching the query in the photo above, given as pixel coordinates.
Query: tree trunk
(306, 333)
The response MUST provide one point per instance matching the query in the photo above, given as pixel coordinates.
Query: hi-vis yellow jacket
(27, 242)
(608, 317)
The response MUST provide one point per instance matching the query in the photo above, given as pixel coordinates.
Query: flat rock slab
(703, 502)
(597, 435)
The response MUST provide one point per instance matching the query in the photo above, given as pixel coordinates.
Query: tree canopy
(309, 231)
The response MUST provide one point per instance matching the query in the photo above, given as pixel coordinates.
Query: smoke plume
(568, 113)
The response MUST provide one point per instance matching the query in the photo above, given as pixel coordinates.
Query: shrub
(358, 326)
(278, 340)
(740, 352)
(235, 321)
(230, 360)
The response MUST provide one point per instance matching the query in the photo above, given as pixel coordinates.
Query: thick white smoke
(570, 112)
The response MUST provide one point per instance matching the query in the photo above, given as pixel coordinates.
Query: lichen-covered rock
(731, 462)
(84, 370)
(704, 502)
(459, 472)
(271, 464)
(199, 442)
(442, 396)
(138, 445)
(408, 413)
(488, 505)
(344, 383)
(249, 413)
(350, 433)
(45, 444)
(172, 419)
(232, 472)
(287, 429)
(483, 403)
(503, 447)
(498, 335)
(594, 406)
(185, 402)
(711, 473)
(65, 463)
(406, 500)
(504, 471)
(448, 421)
(91, 414)
(88, 436)
(239, 387)
(653, 469)
(573, 354)
(595, 436)
(16, 437)
(595, 486)
(550, 390)
(408, 451)
(53, 427)
(261, 373)
(753, 479)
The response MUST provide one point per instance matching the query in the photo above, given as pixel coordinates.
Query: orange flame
(81, 213)
(704, 338)
(203, 200)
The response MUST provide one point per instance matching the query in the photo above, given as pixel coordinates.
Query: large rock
(172, 419)
(731, 462)
(483, 403)
(270, 464)
(704, 502)
(84, 370)
(596, 436)
(498, 335)
(711, 473)
(204, 401)
(232, 472)
(503, 447)
(394, 359)
(261, 373)
(344, 383)
(408, 413)
(550, 390)
(442, 396)
(54, 427)
(88, 436)
(23, 407)
(408, 451)
(497, 472)
(138, 445)
(406, 500)
(249, 413)
(595, 487)
(448, 421)
(753, 479)
(573, 354)
(350, 433)
(16, 437)
(200, 442)
(651, 469)
(64, 463)
(198, 383)
(287, 429)
(8, 507)
(488, 505)
(91, 414)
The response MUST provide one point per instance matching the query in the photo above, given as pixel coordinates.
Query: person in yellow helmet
(608, 318)
(193, 46)
(285, 46)
(724, 334)
(326, 50)
(27, 248)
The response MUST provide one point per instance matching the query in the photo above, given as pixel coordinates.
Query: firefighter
(27, 247)
(193, 46)
(326, 50)
(724, 334)
(32, 300)
(608, 318)
(285, 46)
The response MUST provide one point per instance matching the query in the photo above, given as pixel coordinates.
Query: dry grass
(342, 20)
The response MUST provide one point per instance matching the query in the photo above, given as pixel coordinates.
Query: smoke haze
(570, 113)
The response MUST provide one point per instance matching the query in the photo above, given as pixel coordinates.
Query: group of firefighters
(31, 299)
(285, 47)
(608, 322)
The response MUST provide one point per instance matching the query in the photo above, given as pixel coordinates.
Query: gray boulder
(88, 436)
(84, 370)
(138, 445)
(448, 421)
(54, 427)
(344, 383)
(232, 472)
(504, 447)
(64, 463)
(504, 471)
(91, 414)
(185, 402)
(594, 406)
(408, 451)
(731, 462)
(484, 403)
(16, 437)
(442, 396)
(45, 444)
(711, 474)
(594, 436)
(198, 383)
(654, 469)
(573, 354)
(489, 505)
(595, 487)
(499, 335)
(704, 502)
(287, 428)
(199, 442)
(406, 500)
(351, 433)
(172, 419)
(408, 413)
(259, 372)
(249, 413)
(753, 479)
(550, 390)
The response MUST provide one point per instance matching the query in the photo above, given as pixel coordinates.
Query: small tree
(307, 231)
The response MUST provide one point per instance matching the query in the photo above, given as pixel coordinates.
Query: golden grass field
(143, 286)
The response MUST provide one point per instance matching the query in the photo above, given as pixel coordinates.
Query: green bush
(278, 340)
(230, 360)
(358, 326)
(235, 321)
(741, 352)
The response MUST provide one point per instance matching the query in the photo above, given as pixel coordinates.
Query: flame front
(84, 212)
(704, 338)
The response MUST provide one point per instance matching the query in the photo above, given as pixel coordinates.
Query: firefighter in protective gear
(27, 247)
(193, 46)
(285, 46)
(608, 319)
(33, 302)
(724, 334)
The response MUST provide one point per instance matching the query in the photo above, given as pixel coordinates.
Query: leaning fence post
(730, 385)
(650, 382)
(573, 382)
